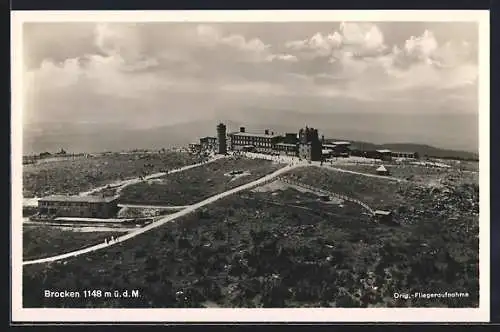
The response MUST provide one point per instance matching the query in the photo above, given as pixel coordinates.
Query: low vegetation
(416, 173)
(45, 241)
(196, 184)
(378, 193)
(287, 249)
(132, 212)
(383, 193)
(29, 210)
(72, 175)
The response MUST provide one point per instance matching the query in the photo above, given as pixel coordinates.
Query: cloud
(186, 69)
(362, 66)
(282, 57)
(357, 38)
(423, 46)
(252, 50)
(318, 45)
(362, 38)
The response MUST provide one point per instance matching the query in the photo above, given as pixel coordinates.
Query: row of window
(72, 211)
(67, 204)
(285, 148)
(253, 138)
(208, 143)
(80, 213)
(55, 204)
(249, 141)
(268, 145)
(405, 155)
(265, 145)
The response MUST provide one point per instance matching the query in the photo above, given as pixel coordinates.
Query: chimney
(266, 131)
(242, 129)
(322, 138)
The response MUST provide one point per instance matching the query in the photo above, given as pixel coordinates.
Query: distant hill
(421, 149)
(439, 135)
(446, 131)
(77, 137)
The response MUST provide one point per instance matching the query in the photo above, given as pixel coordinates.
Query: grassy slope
(70, 176)
(196, 184)
(246, 251)
(46, 241)
(415, 173)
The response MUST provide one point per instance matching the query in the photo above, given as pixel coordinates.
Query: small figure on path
(106, 241)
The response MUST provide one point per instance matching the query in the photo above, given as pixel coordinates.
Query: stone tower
(310, 146)
(221, 138)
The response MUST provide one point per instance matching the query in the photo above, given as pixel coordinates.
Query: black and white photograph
(252, 160)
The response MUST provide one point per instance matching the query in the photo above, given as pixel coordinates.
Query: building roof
(79, 199)
(381, 168)
(325, 151)
(384, 151)
(287, 144)
(237, 133)
(336, 144)
(208, 138)
(383, 213)
(403, 152)
(341, 143)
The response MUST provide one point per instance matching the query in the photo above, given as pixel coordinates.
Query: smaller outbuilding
(78, 206)
(324, 198)
(383, 154)
(384, 217)
(195, 147)
(381, 170)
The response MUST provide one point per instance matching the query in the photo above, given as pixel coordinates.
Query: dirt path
(194, 207)
(390, 178)
(169, 218)
(160, 207)
(125, 183)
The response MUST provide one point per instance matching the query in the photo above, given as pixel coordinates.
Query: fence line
(327, 193)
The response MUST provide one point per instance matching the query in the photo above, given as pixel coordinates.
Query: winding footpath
(191, 208)
(169, 218)
(125, 183)
(147, 206)
(328, 193)
(385, 177)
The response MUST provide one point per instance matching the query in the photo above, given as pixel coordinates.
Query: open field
(45, 241)
(194, 185)
(132, 212)
(463, 165)
(454, 194)
(419, 174)
(277, 247)
(72, 176)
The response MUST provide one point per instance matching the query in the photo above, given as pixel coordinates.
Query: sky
(150, 74)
